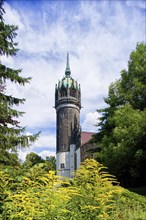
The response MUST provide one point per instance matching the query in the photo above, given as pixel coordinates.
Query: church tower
(67, 105)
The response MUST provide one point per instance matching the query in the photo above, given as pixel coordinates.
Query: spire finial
(67, 71)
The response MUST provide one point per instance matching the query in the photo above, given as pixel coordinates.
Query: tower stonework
(68, 132)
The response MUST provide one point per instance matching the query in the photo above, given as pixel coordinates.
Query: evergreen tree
(12, 135)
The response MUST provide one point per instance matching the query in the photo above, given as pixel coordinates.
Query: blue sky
(99, 36)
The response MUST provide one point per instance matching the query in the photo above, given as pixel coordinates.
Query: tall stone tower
(67, 105)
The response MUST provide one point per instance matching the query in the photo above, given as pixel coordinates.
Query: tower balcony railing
(66, 100)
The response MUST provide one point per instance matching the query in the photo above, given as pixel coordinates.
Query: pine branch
(10, 100)
(7, 45)
(11, 138)
(13, 75)
(2, 11)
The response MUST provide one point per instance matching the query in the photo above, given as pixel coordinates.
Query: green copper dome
(67, 91)
(68, 81)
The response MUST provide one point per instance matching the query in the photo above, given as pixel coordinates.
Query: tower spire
(67, 71)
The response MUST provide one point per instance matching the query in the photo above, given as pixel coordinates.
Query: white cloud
(46, 153)
(22, 153)
(91, 119)
(99, 36)
(13, 16)
(46, 140)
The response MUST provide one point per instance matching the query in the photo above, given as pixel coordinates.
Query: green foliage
(32, 159)
(35, 165)
(122, 124)
(131, 206)
(43, 198)
(12, 135)
(90, 195)
(52, 160)
(5, 181)
(97, 195)
(37, 170)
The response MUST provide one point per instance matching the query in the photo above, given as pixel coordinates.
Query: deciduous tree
(122, 126)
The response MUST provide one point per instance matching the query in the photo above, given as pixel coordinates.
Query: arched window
(63, 92)
(73, 92)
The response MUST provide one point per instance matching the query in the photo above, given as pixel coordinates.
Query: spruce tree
(12, 134)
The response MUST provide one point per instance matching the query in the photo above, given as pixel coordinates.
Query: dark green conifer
(12, 135)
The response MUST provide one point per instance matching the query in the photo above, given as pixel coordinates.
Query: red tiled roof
(86, 136)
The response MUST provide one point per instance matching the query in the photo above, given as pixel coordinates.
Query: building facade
(88, 147)
(68, 132)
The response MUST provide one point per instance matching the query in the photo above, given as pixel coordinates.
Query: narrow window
(62, 165)
(73, 92)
